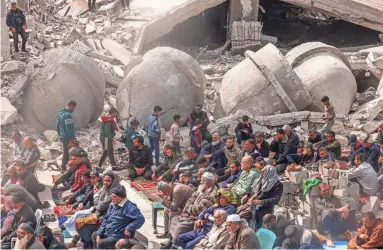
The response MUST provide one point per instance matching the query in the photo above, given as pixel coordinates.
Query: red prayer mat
(142, 185)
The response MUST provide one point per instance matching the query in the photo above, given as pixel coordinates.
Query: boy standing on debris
(65, 130)
(16, 22)
(329, 114)
(108, 128)
(154, 133)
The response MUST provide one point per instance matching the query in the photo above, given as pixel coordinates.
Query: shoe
(163, 236)
(167, 246)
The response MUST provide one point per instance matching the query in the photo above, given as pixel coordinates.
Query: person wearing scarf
(108, 128)
(266, 194)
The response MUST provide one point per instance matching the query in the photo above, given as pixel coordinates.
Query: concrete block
(51, 135)
(117, 50)
(8, 113)
(297, 177)
(11, 67)
(340, 193)
(286, 187)
(343, 182)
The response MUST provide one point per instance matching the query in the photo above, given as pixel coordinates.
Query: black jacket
(15, 19)
(27, 197)
(30, 183)
(317, 138)
(310, 159)
(203, 116)
(285, 148)
(241, 127)
(271, 198)
(218, 159)
(25, 214)
(141, 158)
(294, 138)
(49, 241)
(279, 230)
(264, 149)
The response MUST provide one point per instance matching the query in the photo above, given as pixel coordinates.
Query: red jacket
(77, 177)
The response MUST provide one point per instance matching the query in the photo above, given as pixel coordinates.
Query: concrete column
(5, 49)
(242, 10)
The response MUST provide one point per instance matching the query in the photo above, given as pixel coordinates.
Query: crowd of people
(218, 195)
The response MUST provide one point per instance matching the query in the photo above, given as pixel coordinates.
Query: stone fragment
(171, 71)
(74, 77)
(118, 71)
(18, 86)
(8, 113)
(134, 61)
(51, 135)
(90, 28)
(80, 47)
(117, 50)
(83, 20)
(366, 96)
(40, 143)
(369, 110)
(11, 67)
(73, 35)
(100, 56)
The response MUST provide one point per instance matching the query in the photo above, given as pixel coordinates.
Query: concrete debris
(57, 79)
(11, 67)
(51, 135)
(245, 35)
(366, 96)
(117, 50)
(119, 72)
(369, 110)
(134, 61)
(184, 79)
(90, 28)
(8, 113)
(17, 88)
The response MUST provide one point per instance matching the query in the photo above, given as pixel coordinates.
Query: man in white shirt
(365, 175)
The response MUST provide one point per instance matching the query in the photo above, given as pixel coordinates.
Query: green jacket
(65, 125)
(107, 131)
(245, 182)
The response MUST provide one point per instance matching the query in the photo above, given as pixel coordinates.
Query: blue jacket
(232, 179)
(153, 126)
(15, 19)
(65, 125)
(218, 159)
(372, 155)
(119, 218)
(294, 158)
(230, 209)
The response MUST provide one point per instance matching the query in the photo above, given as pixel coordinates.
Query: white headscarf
(269, 178)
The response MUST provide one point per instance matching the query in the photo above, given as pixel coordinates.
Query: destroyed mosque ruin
(268, 59)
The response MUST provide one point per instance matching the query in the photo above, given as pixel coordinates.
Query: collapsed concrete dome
(324, 70)
(166, 77)
(66, 75)
(263, 83)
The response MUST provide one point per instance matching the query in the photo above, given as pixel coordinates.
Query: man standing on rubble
(65, 130)
(16, 22)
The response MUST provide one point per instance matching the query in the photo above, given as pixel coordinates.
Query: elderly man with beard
(121, 222)
(26, 238)
(241, 235)
(218, 235)
(214, 153)
(200, 200)
(23, 213)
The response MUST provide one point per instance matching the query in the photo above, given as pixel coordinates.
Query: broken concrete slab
(169, 19)
(112, 80)
(80, 47)
(110, 8)
(74, 8)
(368, 111)
(12, 67)
(17, 88)
(245, 35)
(134, 61)
(51, 135)
(367, 13)
(8, 113)
(117, 50)
(90, 28)
(73, 35)
(100, 56)
(118, 71)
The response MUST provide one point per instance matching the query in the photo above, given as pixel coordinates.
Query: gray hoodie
(105, 197)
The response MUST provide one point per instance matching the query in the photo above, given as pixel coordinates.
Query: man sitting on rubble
(336, 216)
(250, 148)
(26, 238)
(140, 160)
(262, 145)
(78, 197)
(314, 136)
(247, 178)
(371, 152)
(187, 165)
(172, 159)
(235, 172)
(241, 235)
(18, 145)
(174, 197)
(370, 235)
(326, 158)
(214, 153)
(277, 224)
(244, 130)
(296, 158)
(331, 144)
(379, 138)
(200, 200)
(310, 156)
(121, 221)
(231, 151)
(285, 148)
(27, 180)
(23, 214)
(31, 154)
(293, 137)
(364, 175)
